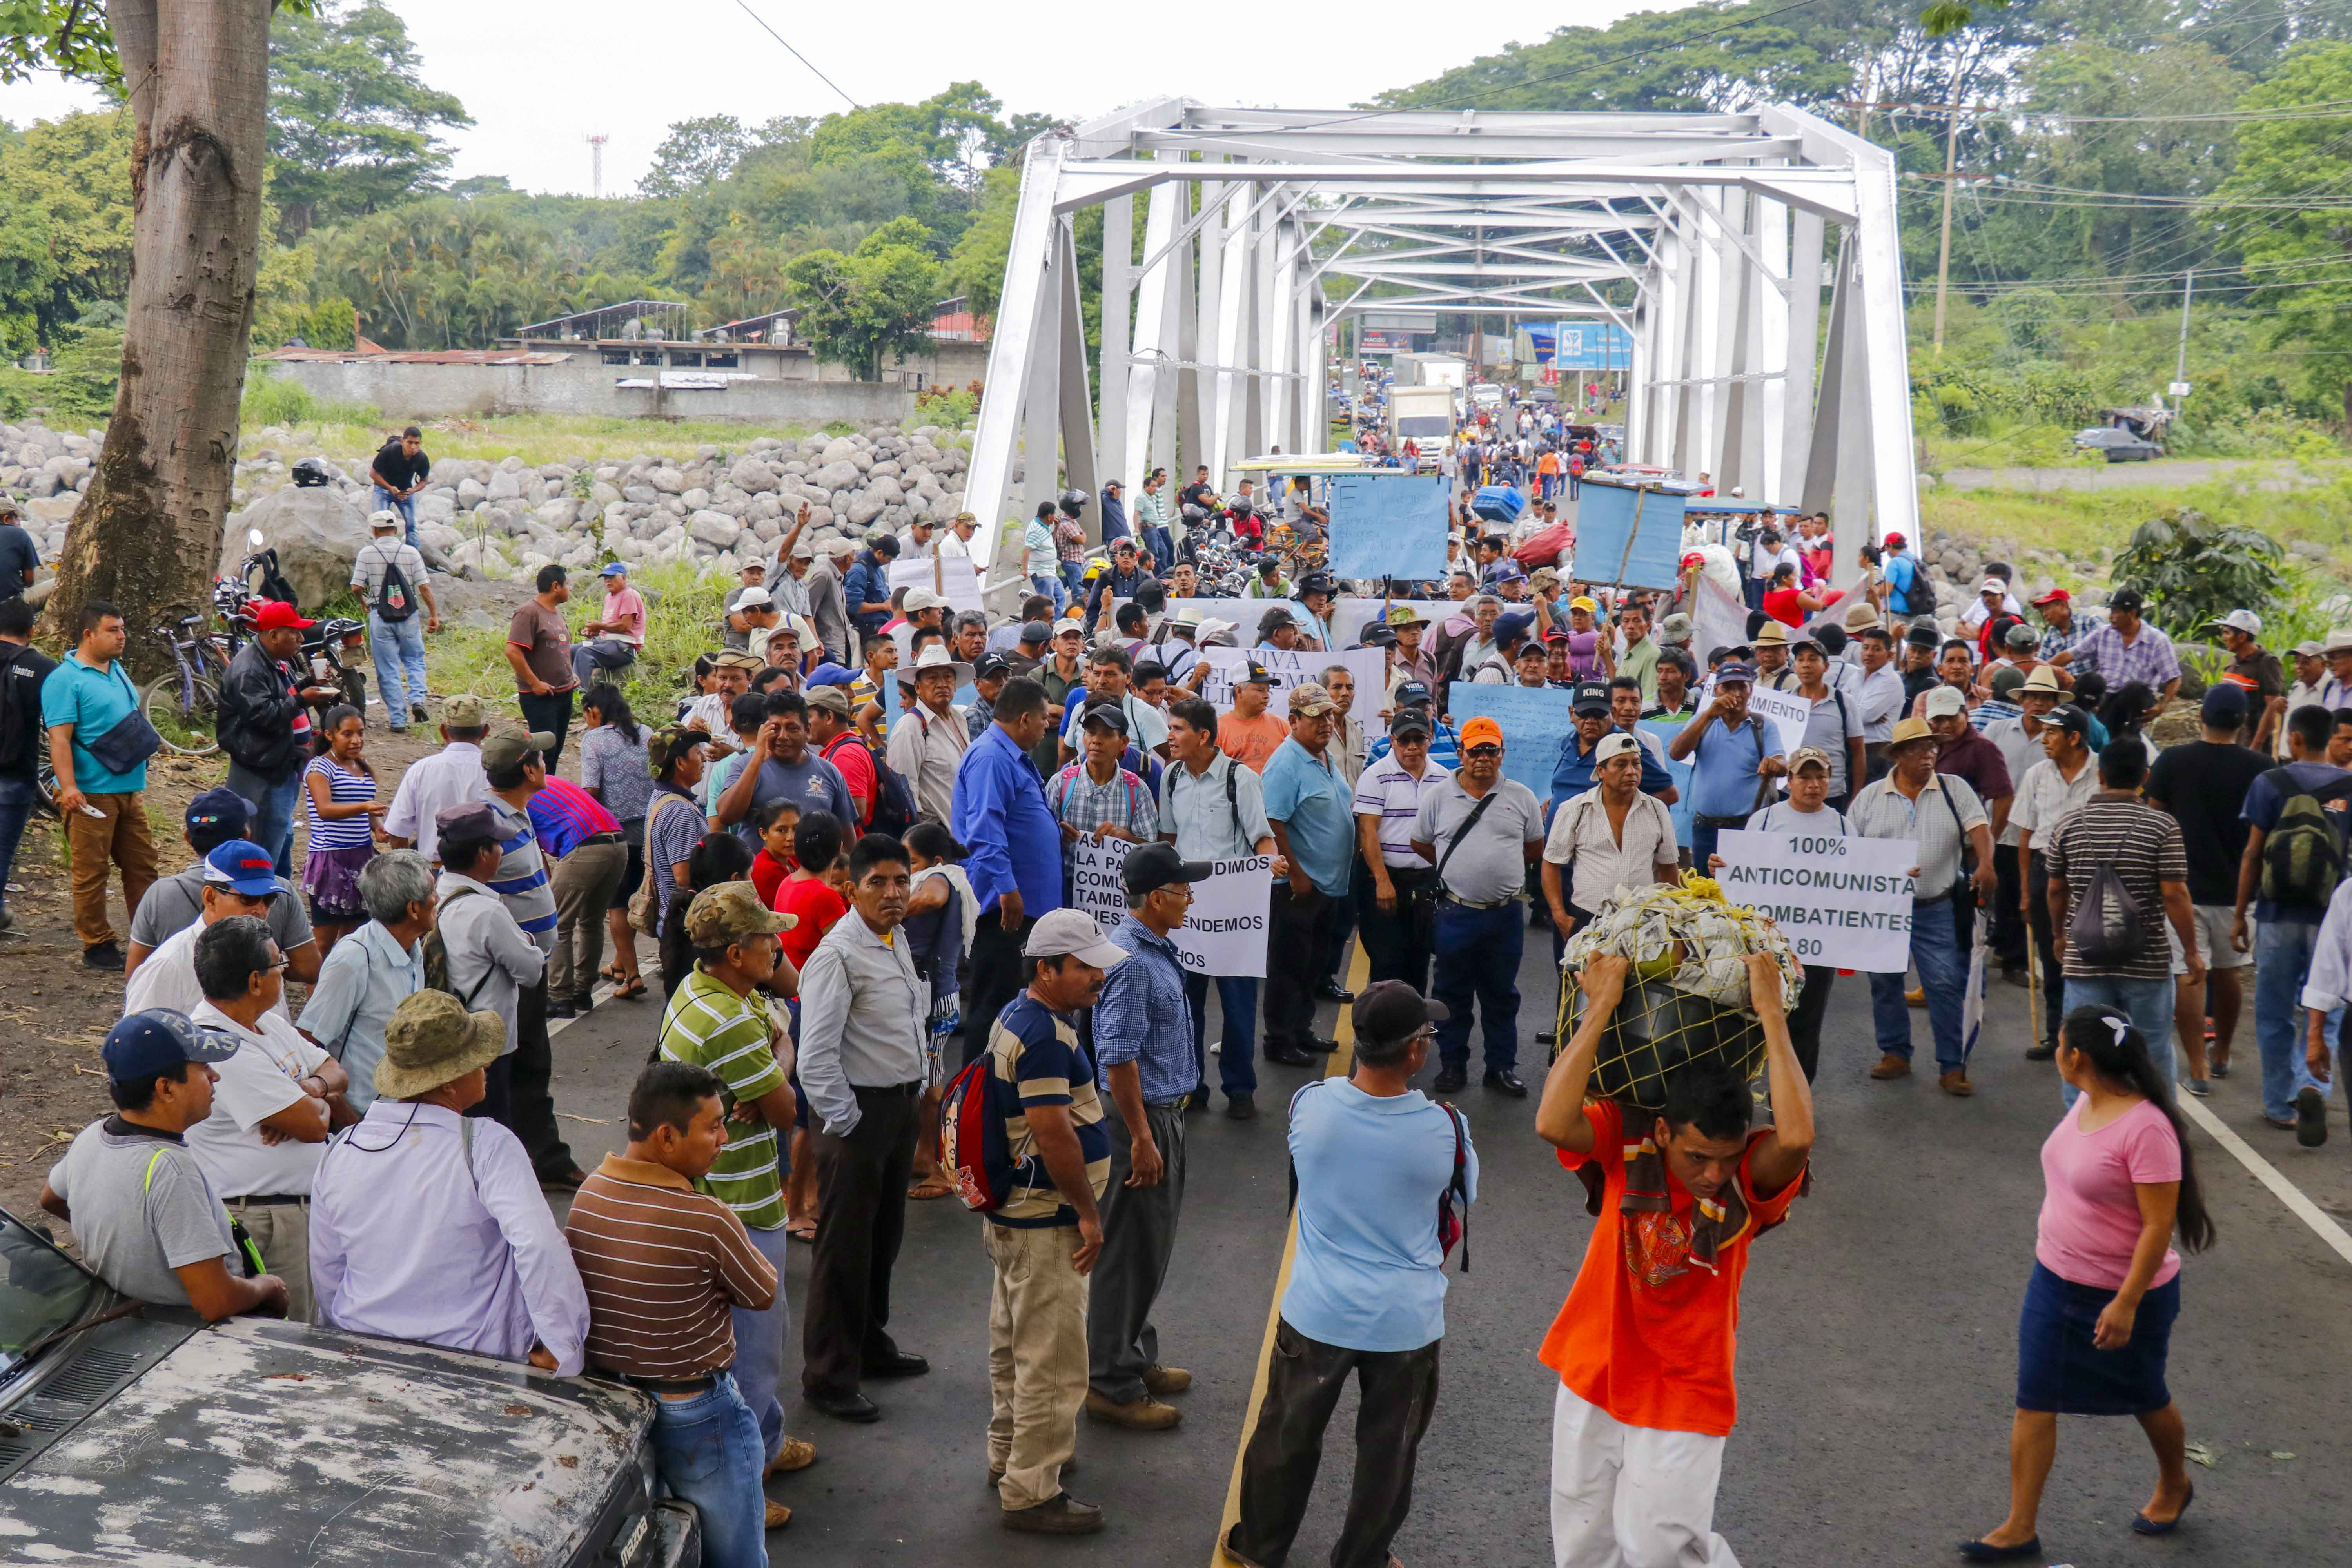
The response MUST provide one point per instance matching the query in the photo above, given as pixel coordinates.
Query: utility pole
(2181, 366)
(1944, 253)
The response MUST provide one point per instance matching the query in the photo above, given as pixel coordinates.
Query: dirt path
(54, 1013)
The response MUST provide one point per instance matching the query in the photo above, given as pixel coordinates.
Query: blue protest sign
(1535, 720)
(1665, 730)
(1628, 534)
(1388, 525)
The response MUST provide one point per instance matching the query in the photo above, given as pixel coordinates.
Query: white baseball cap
(923, 599)
(1944, 702)
(2244, 621)
(754, 599)
(1615, 744)
(1072, 932)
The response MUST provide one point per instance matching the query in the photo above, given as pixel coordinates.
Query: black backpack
(395, 601)
(2103, 931)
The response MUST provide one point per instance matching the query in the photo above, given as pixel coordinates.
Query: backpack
(19, 741)
(437, 956)
(2303, 858)
(644, 912)
(2103, 931)
(1453, 1204)
(1919, 593)
(392, 601)
(893, 810)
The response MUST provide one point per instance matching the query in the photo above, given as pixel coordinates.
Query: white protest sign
(1786, 712)
(1840, 900)
(1368, 665)
(955, 576)
(1223, 933)
(1350, 614)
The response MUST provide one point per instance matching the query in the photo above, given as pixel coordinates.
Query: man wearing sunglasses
(1479, 830)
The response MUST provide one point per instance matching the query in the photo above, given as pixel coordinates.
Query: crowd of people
(854, 847)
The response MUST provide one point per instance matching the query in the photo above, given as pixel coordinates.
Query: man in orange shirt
(1645, 1343)
(1249, 734)
(1548, 473)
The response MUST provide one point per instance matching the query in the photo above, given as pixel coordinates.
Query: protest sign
(1665, 730)
(1368, 665)
(1535, 720)
(1349, 616)
(1840, 900)
(1223, 933)
(1785, 712)
(1629, 534)
(954, 577)
(1388, 525)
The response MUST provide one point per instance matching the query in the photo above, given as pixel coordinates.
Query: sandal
(802, 1230)
(931, 1188)
(629, 990)
(611, 972)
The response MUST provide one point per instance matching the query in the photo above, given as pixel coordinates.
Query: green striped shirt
(709, 1024)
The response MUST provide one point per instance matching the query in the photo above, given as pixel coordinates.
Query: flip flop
(932, 1187)
(629, 990)
(2143, 1525)
(802, 1230)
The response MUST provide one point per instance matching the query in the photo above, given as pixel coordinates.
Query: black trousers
(995, 976)
(1297, 956)
(2045, 945)
(2007, 923)
(1343, 924)
(1138, 1239)
(553, 714)
(1397, 1392)
(1805, 1019)
(529, 1110)
(861, 1184)
(1397, 943)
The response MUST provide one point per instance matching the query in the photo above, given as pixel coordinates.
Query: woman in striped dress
(339, 796)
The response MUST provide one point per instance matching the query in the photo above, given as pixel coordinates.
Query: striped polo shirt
(563, 813)
(1036, 1052)
(1386, 790)
(663, 1263)
(709, 1024)
(521, 883)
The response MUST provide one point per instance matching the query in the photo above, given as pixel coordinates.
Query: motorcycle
(334, 651)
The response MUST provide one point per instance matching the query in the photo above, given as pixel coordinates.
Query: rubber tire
(164, 690)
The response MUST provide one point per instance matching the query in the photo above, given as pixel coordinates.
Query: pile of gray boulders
(1956, 566)
(46, 470)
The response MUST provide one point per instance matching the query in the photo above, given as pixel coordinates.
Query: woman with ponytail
(2092, 1340)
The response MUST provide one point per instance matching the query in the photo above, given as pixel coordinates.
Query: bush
(2192, 571)
(269, 399)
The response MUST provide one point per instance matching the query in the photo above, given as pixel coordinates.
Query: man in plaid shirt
(1095, 797)
(2126, 649)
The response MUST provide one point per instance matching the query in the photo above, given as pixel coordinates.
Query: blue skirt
(2058, 1368)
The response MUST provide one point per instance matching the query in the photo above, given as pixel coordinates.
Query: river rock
(715, 528)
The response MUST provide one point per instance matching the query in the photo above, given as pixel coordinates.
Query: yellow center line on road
(1359, 975)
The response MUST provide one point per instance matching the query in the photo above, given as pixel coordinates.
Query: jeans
(706, 1449)
(2148, 1005)
(1162, 548)
(398, 645)
(273, 810)
(2282, 963)
(1050, 582)
(1237, 1000)
(1943, 975)
(1074, 578)
(1478, 960)
(760, 1339)
(553, 714)
(16, 797)
(601, 655)
(383, 502)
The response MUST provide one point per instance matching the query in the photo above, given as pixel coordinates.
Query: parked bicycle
(185, 705)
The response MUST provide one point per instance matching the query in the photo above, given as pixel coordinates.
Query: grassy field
(2080, 523)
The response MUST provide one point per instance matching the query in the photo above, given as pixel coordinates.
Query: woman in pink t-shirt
(2092, 1340)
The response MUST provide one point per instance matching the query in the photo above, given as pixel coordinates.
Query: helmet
(313, 472)
(1195, 512)
(1072, 501)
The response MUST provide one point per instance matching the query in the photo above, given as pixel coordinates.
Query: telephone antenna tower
(596, 141)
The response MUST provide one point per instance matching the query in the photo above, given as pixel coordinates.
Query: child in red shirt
(812, 890)
(1644, 1344)
(776, 820)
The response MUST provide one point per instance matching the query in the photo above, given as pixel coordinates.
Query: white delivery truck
(1425, 416)
(1433, 370)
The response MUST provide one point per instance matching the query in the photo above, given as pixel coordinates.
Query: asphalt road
(1876, 1366)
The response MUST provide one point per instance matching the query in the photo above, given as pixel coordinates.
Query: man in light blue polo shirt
(1734, 756)
(1311, 808)
(105, 811)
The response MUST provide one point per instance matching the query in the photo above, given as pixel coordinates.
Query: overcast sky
(538, 76)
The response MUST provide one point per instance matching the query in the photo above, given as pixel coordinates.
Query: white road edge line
(2297, 1202)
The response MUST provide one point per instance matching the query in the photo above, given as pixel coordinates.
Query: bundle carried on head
(1686, 999)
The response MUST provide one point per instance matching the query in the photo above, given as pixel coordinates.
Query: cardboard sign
(1535, 720)
(1628, 534)
(1840, 900)
(1388, 525)
(1665, 730)
(956, 577)
(1223, 933)
(1786, 712)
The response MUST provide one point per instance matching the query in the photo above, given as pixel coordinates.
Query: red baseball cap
(2055, 596)
(274, 614)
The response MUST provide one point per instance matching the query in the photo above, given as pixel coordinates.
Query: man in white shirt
(1396, 901)
(957, 541)
(927, 744)
(239, 879)
(426, 1224)
(2311, 681)
(1993, 598)
(1879, 695)
(451, 776)
(491, 959)
(1611, 837)
(273, 1106)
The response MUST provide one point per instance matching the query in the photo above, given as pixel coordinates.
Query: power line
(797, 55)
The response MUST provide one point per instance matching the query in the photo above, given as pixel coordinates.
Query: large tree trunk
(147, 536)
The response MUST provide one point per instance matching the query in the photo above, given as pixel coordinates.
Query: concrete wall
(584, 385)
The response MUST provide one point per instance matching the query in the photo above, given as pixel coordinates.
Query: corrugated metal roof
(414, 356)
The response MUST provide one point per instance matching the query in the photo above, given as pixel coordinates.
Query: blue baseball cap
(220, 807)
(830, 674)
(612, 568)
(243, 867)
(158, 1040)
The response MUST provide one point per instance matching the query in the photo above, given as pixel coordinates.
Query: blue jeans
(760, 1339)
(16, 797)
(1238, 999)
(1478, 961)
(398, 648)
(2148, 1003)
(1050, 585)
(706, 1449)
(1162, 548)
(1943, 975)
(592, 661)
(1074, 578)
(383, 501)
(273, 811)
(2282, 963)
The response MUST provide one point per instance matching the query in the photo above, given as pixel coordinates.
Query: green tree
(860, 307)
(696, 154)
(65, 223)
(351, 123)
(445, 273)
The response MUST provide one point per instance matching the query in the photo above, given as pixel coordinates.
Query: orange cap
(1481, 730)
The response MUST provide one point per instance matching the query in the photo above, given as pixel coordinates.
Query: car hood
(269, 1443)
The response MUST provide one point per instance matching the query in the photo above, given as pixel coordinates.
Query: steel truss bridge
(1263, 227)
